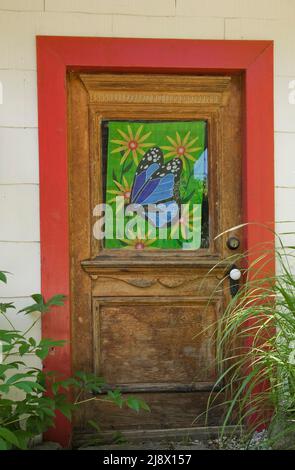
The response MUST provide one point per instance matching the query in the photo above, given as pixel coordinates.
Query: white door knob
(235, 274)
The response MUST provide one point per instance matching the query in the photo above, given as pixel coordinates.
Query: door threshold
(143, 437)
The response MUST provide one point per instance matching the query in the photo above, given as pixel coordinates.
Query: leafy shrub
(43, 392)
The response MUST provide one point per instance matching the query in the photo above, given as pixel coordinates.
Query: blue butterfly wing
(141, 179)
(157, 183)
(162, 185)
(149, 164)
(157, 190)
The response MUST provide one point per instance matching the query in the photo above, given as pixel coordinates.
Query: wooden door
(141, 311)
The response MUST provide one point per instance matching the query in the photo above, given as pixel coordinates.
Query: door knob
(235, 274)
(234, 278)
(233, 243)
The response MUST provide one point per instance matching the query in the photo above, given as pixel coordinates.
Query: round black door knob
(233, 243)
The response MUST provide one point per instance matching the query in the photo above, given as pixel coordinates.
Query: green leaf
(57, 300)
(5, 402)
(3, 444)
(23, 438)
(49, 412)
(133, 403)
(32, 308)
(81, 375)
(32, 341)
(23, 349)
(38, 298)
(29, 386)
(118, 438)
(70, 382)
(188, 197)
(3, 278)
(14, 378)
(137, 404)
(94, 425)
(35, 425)
(42, 353)
(55, 388)
(127, 168)
(41, 306)
(5, 307)
(66, 410)
(44, 346)
(4, 388)
(9, 436)
(144, 405)
(9, 336)
(93, 388)
(5, 367)
(116, 397)
(48, 342)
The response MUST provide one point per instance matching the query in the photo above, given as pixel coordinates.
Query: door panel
(141, 317)
(168, 411)
(146, 344)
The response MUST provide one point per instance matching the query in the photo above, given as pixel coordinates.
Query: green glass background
(191, 189)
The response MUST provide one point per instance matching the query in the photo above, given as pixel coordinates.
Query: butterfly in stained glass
(157, 183)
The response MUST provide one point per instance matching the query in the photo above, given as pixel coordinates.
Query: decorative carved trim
(200, 98)
(167, 283)
(156, 89)
(103, 266)
(155, 82)
(171, 279)
(142, 283)
(173, 283)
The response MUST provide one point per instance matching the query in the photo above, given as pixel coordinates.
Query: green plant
(255, 342)
(43, 393)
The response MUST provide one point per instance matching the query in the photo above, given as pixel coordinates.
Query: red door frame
(56, 55)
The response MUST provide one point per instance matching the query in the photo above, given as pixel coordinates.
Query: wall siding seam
(21, 241)
(285, 132)
(19, 184)
(18, 127)
(13, 297)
